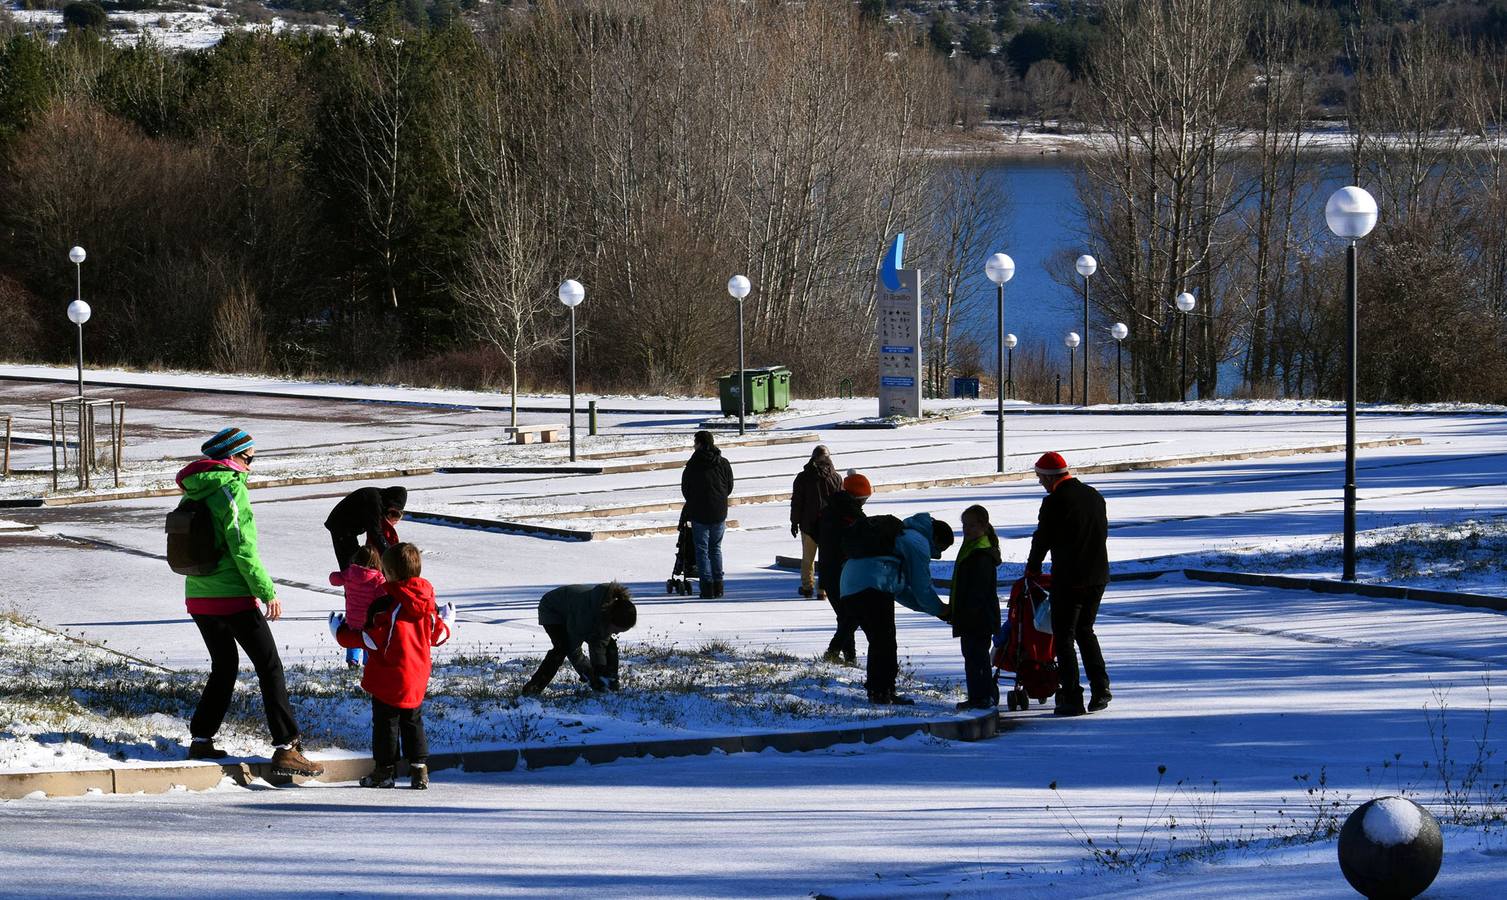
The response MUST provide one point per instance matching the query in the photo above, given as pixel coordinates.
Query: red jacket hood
(416, 596)
(205, 465)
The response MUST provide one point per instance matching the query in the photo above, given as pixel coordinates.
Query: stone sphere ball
(1390, 848)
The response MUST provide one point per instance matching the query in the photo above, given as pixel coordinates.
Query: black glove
(795, 530)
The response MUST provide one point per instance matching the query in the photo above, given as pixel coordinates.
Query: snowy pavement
(1263, 691)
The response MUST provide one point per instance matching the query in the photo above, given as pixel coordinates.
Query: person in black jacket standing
(369, 511)
(974, 606)
(1074, 528)
(808, 497)
(844, 509)
(706, 484)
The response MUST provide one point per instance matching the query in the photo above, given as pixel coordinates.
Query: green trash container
(755, 384)
(779, 387)
(727, 389)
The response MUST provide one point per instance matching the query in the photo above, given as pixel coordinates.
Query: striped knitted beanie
(227, 443)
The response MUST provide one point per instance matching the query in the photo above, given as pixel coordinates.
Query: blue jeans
(355, 656)
(708, 541)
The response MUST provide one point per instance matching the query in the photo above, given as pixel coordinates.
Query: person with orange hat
(1074, 528)
(844, 508)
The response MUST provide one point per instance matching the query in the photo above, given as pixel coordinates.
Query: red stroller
(1021, 649)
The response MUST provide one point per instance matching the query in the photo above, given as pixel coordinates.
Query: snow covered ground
(189, 27)
(1274, 712)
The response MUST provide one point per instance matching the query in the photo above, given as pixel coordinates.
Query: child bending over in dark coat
(401, 625)
(592, 614)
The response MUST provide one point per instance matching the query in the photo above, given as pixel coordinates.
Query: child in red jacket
(363, 584)
(401, 626)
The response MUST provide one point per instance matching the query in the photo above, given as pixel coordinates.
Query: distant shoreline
(1007, 140)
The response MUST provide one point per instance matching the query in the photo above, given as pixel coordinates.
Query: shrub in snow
(1390, 848)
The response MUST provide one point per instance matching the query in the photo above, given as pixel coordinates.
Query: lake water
(1045, 221)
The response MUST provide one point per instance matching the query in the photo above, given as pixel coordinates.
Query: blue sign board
(896, 381)
(888, 349)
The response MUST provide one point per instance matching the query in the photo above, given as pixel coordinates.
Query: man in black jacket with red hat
(369, 511)
(1074, 527)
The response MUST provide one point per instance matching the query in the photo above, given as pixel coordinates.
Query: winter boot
(1099, 701)
(205, 749)
(289, 761)
(380, 777)
(832, 656)
(1069, 703)
(704, 586)
(418, 776)
(807, 591)
(717, 589)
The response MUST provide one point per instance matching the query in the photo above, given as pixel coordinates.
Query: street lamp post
(1351, 214)
(1000, 269)
(1185, 303)
(1072, 340)
(1086, 266)
(78, 310)
(1119, 332)
(571, 294)
(738, 287)
(1010, 342)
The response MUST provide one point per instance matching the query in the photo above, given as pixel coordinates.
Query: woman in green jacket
(225, 605)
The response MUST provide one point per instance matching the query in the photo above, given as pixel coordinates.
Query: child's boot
(418, 776)
(380, 777)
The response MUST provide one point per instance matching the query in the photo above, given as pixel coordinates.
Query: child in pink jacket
(363, 583)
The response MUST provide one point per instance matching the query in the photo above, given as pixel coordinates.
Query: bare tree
(1160, 201)
(1047, 86)
(966, 224)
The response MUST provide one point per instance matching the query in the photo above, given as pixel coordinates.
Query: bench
(544, 434)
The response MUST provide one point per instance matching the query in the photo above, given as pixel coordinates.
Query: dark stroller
(1020, 648)
(679, 581)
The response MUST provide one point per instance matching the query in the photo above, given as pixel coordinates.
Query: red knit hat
(1051, 463)
(857, 485)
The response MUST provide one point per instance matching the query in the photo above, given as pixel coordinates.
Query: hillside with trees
(398, 201)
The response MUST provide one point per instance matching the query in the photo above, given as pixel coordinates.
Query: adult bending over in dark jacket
(1074, 528)
(872, 585)
(844, 509)
(592, 614)
(975, 606)
(369, 511)
(706, 484)
(808, 497)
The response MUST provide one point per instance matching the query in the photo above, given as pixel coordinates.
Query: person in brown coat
(815, 483)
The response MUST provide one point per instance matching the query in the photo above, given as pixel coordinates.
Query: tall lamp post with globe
(738, 287)
(1351, 214)
(1185, 303)
(78, 310)
(1086, 266)
(1000, 269)
(1119, 332)
(571, 294)
(1010, 342)
(1071, 341)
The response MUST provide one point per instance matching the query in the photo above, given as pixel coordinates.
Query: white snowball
(1391, 821)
